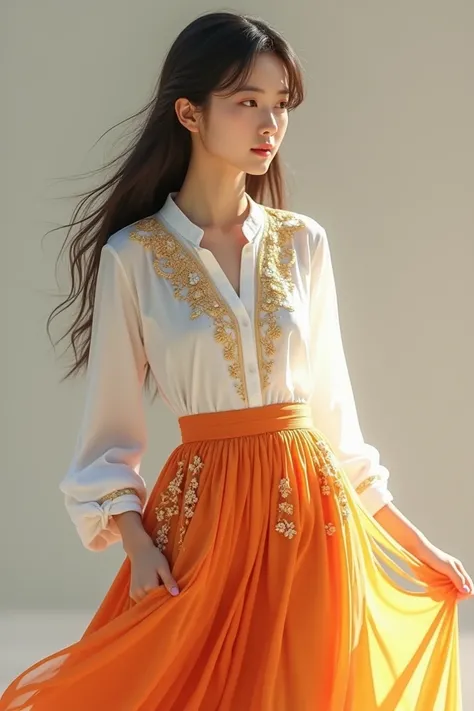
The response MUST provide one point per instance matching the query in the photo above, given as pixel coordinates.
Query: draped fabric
(292, 597)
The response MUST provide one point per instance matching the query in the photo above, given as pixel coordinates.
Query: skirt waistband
(244, 422)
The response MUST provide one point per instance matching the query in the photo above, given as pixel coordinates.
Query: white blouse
(163, 299)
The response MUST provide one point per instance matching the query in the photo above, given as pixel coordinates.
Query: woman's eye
(285, 103)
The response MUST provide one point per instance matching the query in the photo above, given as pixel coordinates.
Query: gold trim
(368, 483)
(115, 494)
(274, 286)
(192, 283)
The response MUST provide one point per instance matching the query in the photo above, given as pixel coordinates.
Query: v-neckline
(212, 257)
(190, 235)
(217, 276)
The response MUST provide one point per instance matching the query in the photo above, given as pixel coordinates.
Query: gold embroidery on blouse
(368, 482)
(191, 283)
(274, 284)
(190, 497)
(328, 473)
(284, 526)
(168, 507)
(118, 492)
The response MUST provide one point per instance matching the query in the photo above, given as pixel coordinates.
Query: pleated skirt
(292, 597)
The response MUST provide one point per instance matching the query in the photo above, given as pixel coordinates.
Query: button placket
(242, 308)
(249, 347)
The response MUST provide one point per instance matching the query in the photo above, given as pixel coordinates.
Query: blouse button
(252, 369)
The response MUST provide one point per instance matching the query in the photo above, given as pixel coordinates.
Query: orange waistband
(247, 421)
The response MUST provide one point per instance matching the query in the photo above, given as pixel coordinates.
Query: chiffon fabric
(292, 597)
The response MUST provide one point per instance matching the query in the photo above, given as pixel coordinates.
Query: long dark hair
(216, 52)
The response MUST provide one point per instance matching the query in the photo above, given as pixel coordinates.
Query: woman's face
(257, 115)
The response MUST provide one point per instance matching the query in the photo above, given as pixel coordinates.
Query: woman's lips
(262, 152)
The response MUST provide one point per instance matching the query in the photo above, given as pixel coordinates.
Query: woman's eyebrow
(262, 91)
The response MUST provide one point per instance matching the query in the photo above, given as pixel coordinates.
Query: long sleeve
(332, 401)
(103, 477)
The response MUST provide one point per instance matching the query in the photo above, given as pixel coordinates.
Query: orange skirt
(286, 600)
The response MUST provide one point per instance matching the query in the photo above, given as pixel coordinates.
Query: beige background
(380, 153)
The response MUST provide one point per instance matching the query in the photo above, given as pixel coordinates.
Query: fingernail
(466, 588)
(174, 590)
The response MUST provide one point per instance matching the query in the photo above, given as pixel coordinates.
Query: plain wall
(380, 153)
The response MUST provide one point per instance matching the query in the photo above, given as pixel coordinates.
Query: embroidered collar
(174, 218)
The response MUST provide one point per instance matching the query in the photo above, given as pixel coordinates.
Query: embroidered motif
(368, 482)
(283, 525)
(190, 497)
(168, 507)
(170, 502)
(274, 286)
(328, 472)
(191, 283)
(118, 492)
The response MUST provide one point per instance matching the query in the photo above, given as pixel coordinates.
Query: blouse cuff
(373, 494)
(93, 519)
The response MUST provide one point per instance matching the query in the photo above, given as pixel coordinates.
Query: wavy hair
(214, 53)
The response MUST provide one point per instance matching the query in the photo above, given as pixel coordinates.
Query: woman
(254, 574)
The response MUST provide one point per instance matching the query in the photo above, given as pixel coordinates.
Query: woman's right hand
(148, 563)
(148, 566)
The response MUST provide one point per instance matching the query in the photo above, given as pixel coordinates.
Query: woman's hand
(148, 566)
(447, 565)
(406, 533)
(147, 561)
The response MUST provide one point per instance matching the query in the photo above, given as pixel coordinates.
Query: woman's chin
(258, 170)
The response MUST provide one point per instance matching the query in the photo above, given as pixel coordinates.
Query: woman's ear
(188, 114)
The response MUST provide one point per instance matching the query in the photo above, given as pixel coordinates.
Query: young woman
(256, 573)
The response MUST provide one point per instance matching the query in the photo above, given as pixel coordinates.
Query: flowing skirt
(289, 596)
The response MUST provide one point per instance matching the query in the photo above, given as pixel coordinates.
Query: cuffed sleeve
(332, 401)
(103, 478)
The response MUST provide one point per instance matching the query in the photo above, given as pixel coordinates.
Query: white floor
(27, 637)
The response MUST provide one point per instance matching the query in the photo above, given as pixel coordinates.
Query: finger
(458, 578)
(149, 588)
(138, 594)
(168, 581)
(468, 585)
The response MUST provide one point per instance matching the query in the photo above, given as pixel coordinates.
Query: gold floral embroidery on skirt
(190, 497)
(168, 507)
(170, 502)
(329, 475)
(285, 509)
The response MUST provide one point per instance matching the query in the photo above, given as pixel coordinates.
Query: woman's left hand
(447, 565)
(409, 537)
